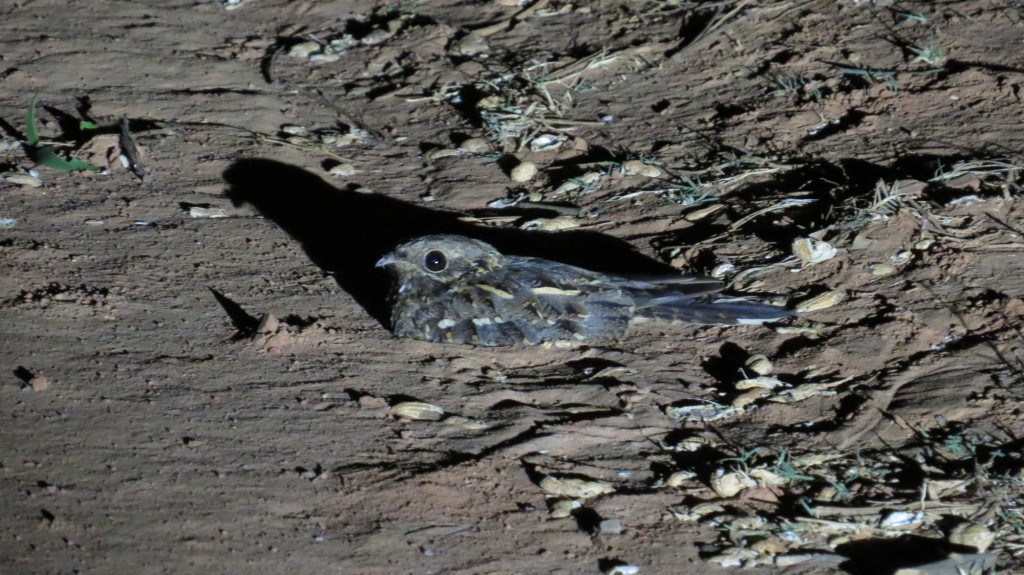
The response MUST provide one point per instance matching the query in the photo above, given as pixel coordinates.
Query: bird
(456, 289)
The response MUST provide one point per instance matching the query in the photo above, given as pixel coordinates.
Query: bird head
(441, 258)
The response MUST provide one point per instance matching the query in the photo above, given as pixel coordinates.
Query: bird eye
(435, 261)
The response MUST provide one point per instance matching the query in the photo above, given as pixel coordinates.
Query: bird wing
(609, 300)
(681, 284)
(556, 301)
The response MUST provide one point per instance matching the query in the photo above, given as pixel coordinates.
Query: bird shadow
(345, 231)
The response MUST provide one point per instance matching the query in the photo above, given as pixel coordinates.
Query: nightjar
(454, 289)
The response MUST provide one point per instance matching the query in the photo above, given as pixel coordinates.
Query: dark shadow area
(725, 366)
(694, 24)
(345, 232)
(24, 374)
(245, 323)
(587, 520)
(886, 556)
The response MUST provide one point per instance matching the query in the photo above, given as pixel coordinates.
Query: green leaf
(45, 156)
(30, 124)
(86, 125)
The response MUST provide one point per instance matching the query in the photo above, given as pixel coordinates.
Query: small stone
(268, 324)
(378, 36)
(476, 146)
(344, 170)
(372, 402)
(472, 45)
(610, 527)
(882, 270)
(973, 535)
(524, 172)
(758, 364)
(39, 383)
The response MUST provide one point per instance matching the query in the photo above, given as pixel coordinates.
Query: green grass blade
(45, 156)
(31, 138)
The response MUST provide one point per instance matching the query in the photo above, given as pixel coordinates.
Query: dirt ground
(198, 376)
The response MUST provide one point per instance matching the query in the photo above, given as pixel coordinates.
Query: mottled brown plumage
(460, 290)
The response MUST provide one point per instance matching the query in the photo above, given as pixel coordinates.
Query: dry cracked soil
(197, 375)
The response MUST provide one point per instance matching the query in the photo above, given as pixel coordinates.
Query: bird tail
(721, 311)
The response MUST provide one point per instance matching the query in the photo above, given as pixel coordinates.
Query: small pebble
(524, 172)
(343, 170)
(476, 146)
(759, 364)
(39, 383)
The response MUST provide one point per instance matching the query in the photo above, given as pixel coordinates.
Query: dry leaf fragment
(207, 212)
(903, 520)
(582, 183)
(735, 557)
(812, 251)
(702, 412)
(303, 49)
(823, 301)
(763, 382)
(573, 487)
(418, 410)
(679, 478)
(729, 484)
(767, 477)
(698, 512)
(701, 213)
(467, 423)
(744, 399)
(545, 142)
(562, 508)
(24, 180)
(638, 168)
(439, 153)
(554, 224)
(955, 564)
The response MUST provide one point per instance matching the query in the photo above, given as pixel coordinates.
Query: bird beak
(386, 261)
